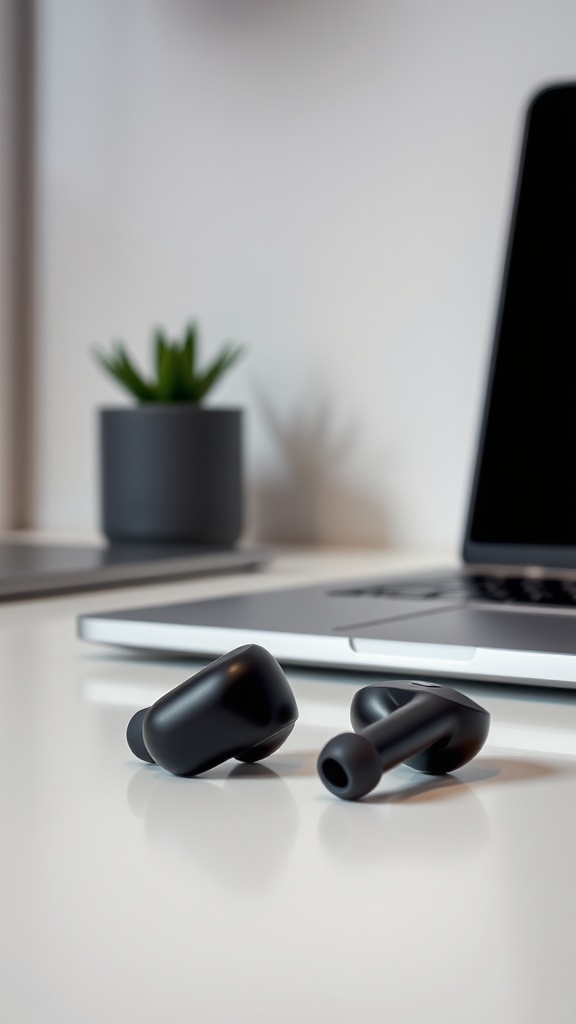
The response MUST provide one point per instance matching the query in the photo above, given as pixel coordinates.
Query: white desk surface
(251, 895)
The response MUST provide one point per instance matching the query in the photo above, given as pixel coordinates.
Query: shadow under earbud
(419, 788)
(510, 769)
(252, 770)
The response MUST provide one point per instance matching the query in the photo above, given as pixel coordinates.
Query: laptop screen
(523, 507)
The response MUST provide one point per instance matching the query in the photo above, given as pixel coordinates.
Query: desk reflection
(239, 830)
(373, 830)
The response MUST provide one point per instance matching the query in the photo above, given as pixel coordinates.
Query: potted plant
(171, 469)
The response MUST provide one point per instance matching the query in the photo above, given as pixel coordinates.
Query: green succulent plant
(177, 376)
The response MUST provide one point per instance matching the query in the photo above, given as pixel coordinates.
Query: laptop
(509, 613)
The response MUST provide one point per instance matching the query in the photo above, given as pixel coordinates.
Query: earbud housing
(240, 706)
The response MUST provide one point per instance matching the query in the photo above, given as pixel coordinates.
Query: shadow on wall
(308, 499)
(249, 13)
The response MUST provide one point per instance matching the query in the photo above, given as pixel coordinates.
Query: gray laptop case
(32, 569)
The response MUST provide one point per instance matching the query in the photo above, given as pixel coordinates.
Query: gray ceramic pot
(171, 473)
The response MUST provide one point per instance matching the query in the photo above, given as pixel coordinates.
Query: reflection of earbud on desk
(410, 822)
(428, 726)
(240, 705)
(239, 831)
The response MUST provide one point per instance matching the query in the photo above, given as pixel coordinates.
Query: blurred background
(328, 181)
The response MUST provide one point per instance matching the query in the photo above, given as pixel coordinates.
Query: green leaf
(159, 347)
(189, 348)
(223, 362)
(167, 373)
(186, 357)
(119, 366)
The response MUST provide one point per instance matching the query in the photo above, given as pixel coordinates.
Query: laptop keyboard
(501, 589)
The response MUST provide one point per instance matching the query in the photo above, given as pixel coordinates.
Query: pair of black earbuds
(242, 706)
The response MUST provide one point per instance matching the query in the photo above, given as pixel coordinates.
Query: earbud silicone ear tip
(135, 739)
(349, 766)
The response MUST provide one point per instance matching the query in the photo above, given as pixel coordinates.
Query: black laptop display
(523, 507)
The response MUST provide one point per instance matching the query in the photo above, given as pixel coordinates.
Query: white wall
(327, 180)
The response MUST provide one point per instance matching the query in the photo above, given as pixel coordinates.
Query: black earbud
(240, 705)
(425, 725)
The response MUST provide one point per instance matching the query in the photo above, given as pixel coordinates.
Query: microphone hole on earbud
(334, 773)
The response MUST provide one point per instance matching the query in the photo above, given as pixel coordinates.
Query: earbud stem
(410, 729)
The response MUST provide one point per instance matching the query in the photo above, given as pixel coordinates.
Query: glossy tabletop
(251, 895)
